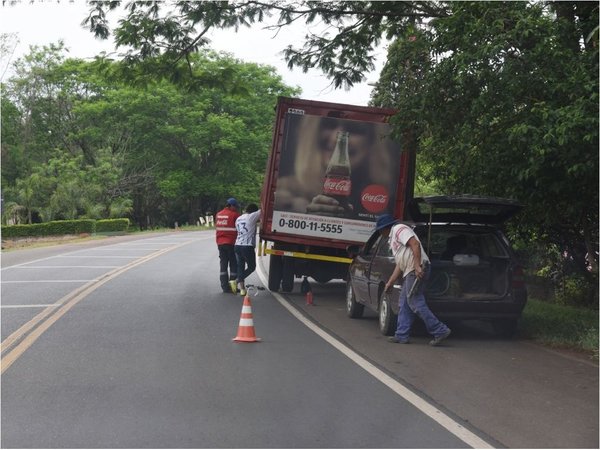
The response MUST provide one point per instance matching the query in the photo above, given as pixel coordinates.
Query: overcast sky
(42, 23)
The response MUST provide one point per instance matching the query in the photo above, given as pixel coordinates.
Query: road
(128, 343)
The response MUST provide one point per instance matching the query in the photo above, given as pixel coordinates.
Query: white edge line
(424, 406)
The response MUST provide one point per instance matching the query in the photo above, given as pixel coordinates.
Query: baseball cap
(232, 201)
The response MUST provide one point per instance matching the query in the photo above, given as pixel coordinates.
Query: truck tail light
(518, 278)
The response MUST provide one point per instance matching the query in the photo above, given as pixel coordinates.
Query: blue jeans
(246, 261)
(416, 306)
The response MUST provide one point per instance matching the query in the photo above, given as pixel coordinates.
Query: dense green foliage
(52, 228)
(62, 227)
(112, 225)
(79, 141)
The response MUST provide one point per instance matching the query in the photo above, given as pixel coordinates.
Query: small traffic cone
(309, 298)
(246, 327)
(306, 289)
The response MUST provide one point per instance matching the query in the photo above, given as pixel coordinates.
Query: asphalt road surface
(127, 343)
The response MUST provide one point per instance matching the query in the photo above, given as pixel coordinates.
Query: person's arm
(255, 217)
(393, 277)
(415, 247)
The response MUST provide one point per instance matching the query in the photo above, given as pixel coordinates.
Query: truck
(332, 170)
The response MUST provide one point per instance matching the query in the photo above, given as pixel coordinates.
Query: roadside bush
(112, 225)
(54, 228)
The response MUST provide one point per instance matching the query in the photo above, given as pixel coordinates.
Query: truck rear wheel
(287, 277)
(275, 272)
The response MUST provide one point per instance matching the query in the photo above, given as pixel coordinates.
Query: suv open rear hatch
(466, 209)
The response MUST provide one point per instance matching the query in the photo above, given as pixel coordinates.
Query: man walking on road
(413, 264)
(226, 235)
(244, 244)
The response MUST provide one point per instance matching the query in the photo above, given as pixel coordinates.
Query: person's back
(246, 226)
(225, 225)
(244, 244)
(226, 235)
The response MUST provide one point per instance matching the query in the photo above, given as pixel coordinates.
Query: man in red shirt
(226, 235)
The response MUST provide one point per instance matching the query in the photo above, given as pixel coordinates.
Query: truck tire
(275, 272)
(287, 275)
(387, 318)
(353, 308)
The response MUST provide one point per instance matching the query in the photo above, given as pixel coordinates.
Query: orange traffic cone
(246, 327)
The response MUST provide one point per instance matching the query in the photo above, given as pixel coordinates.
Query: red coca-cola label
(375, 198)
(337, 186)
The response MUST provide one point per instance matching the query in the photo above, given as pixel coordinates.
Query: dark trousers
(228, 265)
(246, 260)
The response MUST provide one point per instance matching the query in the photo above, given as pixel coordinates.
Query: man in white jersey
(244, 244)
(413, 264)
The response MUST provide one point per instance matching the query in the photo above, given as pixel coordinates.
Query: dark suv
(474, 272)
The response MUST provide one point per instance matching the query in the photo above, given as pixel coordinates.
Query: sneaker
(233, 286)
(243, 292)
(395, 340)
(436, 340)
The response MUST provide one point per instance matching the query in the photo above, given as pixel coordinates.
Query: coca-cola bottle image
(337, 183)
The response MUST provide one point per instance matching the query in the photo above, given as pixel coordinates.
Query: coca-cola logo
(375, 198)
(337, 186)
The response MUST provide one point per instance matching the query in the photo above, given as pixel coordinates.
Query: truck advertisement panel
(335, 177)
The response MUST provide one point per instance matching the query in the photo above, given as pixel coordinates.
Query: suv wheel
(387, 318)
(353, 308)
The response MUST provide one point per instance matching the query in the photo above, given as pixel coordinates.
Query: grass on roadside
(561, 326)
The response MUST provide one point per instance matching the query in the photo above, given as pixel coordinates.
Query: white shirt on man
(400, 234)
(246, 228)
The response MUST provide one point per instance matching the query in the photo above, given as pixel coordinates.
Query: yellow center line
(44, 320)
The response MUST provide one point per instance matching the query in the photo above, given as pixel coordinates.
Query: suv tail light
(518, 278)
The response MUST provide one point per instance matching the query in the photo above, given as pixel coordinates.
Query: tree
(165, 34)
(505, 100)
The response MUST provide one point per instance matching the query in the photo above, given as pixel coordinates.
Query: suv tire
(353, 308)
(387, 318)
